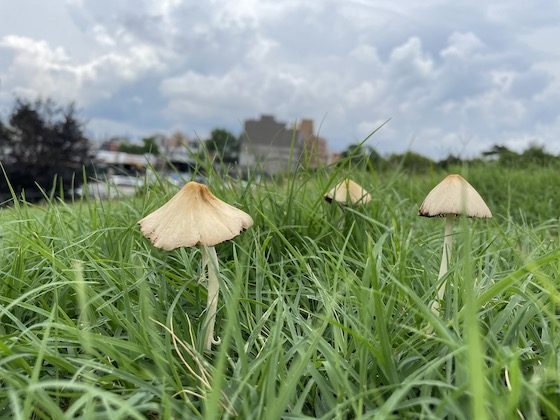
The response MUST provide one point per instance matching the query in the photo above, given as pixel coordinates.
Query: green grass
(324, 311)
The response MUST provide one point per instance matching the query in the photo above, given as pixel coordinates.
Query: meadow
(324, 310)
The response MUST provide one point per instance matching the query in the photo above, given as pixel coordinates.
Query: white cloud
(411, 54)
(102, 36)
(37, 69)
(101, 128)
(462, 45)
(446, 73)
(365, 53)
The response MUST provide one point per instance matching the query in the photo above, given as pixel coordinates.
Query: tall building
(315, 149)
(269, 146)
(272, 147)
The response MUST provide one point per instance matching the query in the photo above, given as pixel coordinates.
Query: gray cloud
(454, 77)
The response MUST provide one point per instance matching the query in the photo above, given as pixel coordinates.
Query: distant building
(269, 146)
(179, 151)
(315, 148)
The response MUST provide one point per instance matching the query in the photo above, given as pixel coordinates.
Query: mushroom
(348, 192)
(195, 216)
(452, 197)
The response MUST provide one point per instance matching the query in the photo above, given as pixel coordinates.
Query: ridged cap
(454, 195)
(348, 192)
(193, 216)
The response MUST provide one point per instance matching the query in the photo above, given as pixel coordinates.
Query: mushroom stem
(203, 265)
(213, 292)
(446, 254)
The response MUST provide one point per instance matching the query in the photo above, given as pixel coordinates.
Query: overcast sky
(453, 76)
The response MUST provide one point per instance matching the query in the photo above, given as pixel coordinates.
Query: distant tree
(360, 154)
(354, 153)
(411, 161)
(536, 155)
(149, 145)
(224, 145)
(42, 142)
(133, 149)
(502, 154)
(450, 160)
(375, 158)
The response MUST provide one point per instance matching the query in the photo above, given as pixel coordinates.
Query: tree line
(226, 146)
(533, 155)
(44, 149)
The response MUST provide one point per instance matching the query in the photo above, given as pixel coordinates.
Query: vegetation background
(325, 310)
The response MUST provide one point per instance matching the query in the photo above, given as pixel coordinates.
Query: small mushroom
(348, 192)
(195, 216)
(452, 197)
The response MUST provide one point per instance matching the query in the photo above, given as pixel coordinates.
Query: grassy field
(324, 311)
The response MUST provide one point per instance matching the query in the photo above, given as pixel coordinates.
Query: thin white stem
(203, 265)
(213, 293)
(445, 257)
(446, 253)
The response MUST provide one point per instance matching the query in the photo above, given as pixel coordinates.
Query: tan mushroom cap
(454, 195)
(193, 216)
(348, 191)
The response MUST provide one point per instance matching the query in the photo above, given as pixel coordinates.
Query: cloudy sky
(453, 76)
